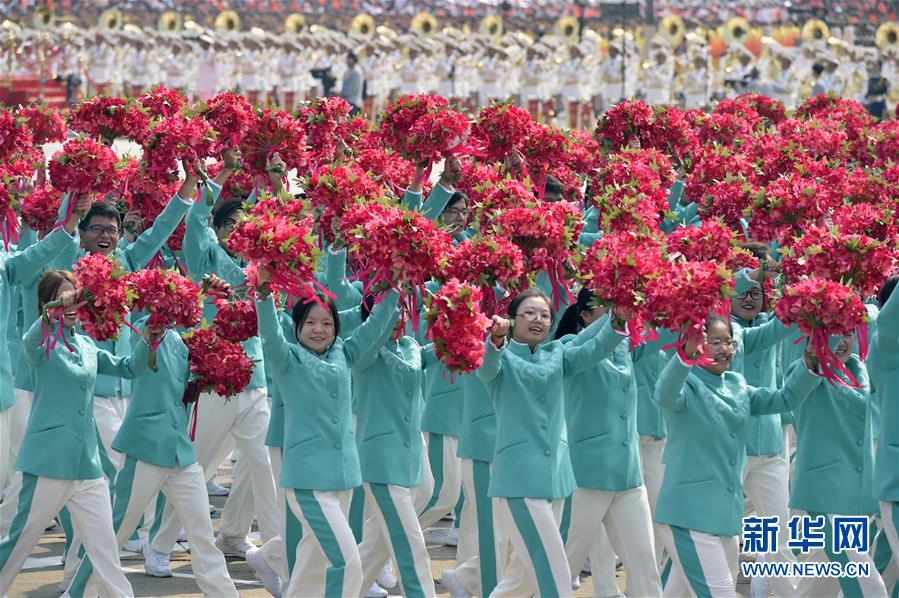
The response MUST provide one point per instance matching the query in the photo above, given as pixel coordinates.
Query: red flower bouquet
(235, 320)
(109, 118)
(339, 186)
(867, 219)
(230, 116)
(274, 132)
(728, 200)
(238, 186)
(162, 102)
(619, 269)
(103, 286)
(711, 241)
(764, 107)
(583, 152)
(543, 148)
(816, 138)
(387, 168)
(503, 128)
(217, 365)
(824, 308)
(457, 326)
(477, 181)
(322, 119)
(15, 137)
(785, 205)
(491, 198)
(487, 262)
(45, 123)
(40, 209)
(434, 136)
(622, 123)
(176, 139)
(83, 166)
(400, 116)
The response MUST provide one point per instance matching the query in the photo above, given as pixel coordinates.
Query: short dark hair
(520, 297)
(49, 286)
(456, 197)
(225, 211)
(101, 209)
(352, 56)
(759, 250)
(301, 309)
(887, 289)
(571, 321)
(553, 185)
(713, 318)
(368, 304)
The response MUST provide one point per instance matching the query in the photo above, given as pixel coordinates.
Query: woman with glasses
(532, 473)
(701, 499)
(833, 474)
(601, 413)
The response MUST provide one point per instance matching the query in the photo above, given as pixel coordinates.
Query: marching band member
(658, 76)
(697, 82)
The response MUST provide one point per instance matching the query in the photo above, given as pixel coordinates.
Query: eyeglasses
(719, 344)
(112, 231)
(533, 316)
(229, 224)
(754, 294)
(456, 212)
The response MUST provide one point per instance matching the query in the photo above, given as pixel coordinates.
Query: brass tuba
(294, 23)
(43, 19)
(169, 22)
(227, 20)
(815, 30)
(671, 31)
(425, 24)
(887, 36)
(736, 30)
(111, 19)
(568, 29)
(491, 27)
(363, 24)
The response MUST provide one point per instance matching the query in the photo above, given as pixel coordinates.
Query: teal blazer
(204, 255)
(649, 360)
(531, 459)
(61, 436)
(601, 412)
(883, 363)
(25, 268)
(134, 257)
(477, 435)
(835, 448)
(708, 419)
(319, 442)
(155, 427)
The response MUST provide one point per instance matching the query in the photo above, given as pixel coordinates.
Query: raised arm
(274, 345)
(798, 386)
(669, 393)
(363, 346)
(346, 295)
(597, 341)
(765, 336)
(199, 239)
(125, 367)
(26, 266)
(886, 339)
(148, 244)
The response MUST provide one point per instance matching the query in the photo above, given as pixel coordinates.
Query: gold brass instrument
(491, 27)
(227, 20)
(43, 19)
(425, 24)
(111, 19)
(169, 22)
(569, 29)
(815, 30)
(364, 25)
(887, 36)
(671, 31)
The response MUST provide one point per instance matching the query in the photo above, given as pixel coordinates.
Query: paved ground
(43, 571)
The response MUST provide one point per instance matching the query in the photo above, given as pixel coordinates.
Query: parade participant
(525, 380)
(697, 83)
(878, 87)
(318, 480)
(101, 64)
(573, 94)
(657, 77)
(701, 499)
(833, 476)
(351, 87)
(605, 458)
(244, 417)
(59, 460)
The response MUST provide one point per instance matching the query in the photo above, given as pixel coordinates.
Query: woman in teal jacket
(701, 500)
(321, 464)
(834, 471)
(601, 413)
(532, 471)
(59, 460)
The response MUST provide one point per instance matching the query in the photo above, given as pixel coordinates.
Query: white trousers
(811, 587)
(137, 485)
(479, 552)
(327, 559)
(704, 565)
(628, 524)
(651, 451)
(393, 531)
(889, 519)
(88, 503)
(109, 413)
(602, 566)
(13, 422)
(274, 549)
(245, 418)
(537, 562)
(766, 485)
(446, 468)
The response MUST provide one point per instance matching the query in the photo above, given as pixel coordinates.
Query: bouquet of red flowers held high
(45, 123)
(230, 116)
(83, 166)
(40, 209)
(543, 148)
(15, 137)
(162, 101)
(274, 131)
(822, 309)
(457, 326)
(109, 118)
(322, 120)
(619, 269)
(401, 115)
(216, 365)
(235, 320)
(503, 128)
(487, 262)
(176, 139)
(711, 241)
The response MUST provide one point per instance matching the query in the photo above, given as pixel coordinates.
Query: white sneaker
(212, 509)
(213, 489)
(264, 572)
(182, 535)
(451, 582)
(386, 578)
(135, 545)
(235, 550)
(585, 568)
(576, 582)
(376, 591)
(156, 564)
(452, 537)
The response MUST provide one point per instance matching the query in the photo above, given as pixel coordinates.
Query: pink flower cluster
(400, 116)
(84, 166)
(45, 123)
(236, 320)
(103, 286)
(162, 102)
(172, 300)
(40, 209)
(487, 262)
(217, 365)
(109, 118)
(457, 326)
(15, 137)
(322, 120)
(503, 128)
(176, 139)
(230, 116)
(274, 131)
